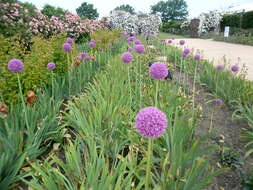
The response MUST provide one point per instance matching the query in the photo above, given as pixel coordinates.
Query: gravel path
(234, 53)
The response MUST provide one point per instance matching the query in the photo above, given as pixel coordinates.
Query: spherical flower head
(67, 47)
(110, 40)
(15, 65)
(219, 67)
(158, 70)
(184, 56)
(69, 40)
(219, 101)
(187, 51)
(182, 42)
(169, 41)
(127, 57)
(130, 49)
(83, 54)
(100, 49)
(92, 44)
(99, 41)
(139, 48)
(92, 40)
(79, 58)
(151, 122)
(182, 77)
(235, 68)
(88, 58)
(173, 38)
(197, 57)
(150, 63)
(137, 42)
(51, 66)
(198, 70)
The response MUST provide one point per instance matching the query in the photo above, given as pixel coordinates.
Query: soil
(214, 50)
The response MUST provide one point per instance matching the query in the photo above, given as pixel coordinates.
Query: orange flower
(31, 98)
(93, 58)
(3, 108)
(78, 63)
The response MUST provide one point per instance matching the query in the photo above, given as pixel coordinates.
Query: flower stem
(69, 73)
(22, 99)
(149, 154)
(129, 81)
(140, 79)
(52, 78)
(156, 93)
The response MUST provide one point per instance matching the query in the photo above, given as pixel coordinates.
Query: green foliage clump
(50, 11)
(87, 10)
(247, 20)
(171, 27)
(232, 20)
(35, 74)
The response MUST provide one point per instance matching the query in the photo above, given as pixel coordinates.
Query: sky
(195, 7)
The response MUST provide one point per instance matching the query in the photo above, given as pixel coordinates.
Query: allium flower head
(218, 101)
(198, 70)
(184, 56)
(130, 49)
(83, 54)
(110, 40)
(158, 70)
(67, 47)
(79, 58)
(182, 77)
(69, 40)
(139, 48)
(92, 40)
(197, 57)
(100, 49)
(88, 58)
(151, 122)
(51, 66)
(15, 65)
(92, 44)
(186, 51)
(169, 41)
(219, 67)
(127, 57)
(99, 41)
(235, 68)
(182, 42)
(137, 42)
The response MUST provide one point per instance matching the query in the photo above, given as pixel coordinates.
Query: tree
(171, 10)
(50, 11)
(87, 10)
(127, 8)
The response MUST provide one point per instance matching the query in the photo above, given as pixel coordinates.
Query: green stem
(211, 122)
(52, 78)
(140, 79)
(156, 93)
(69, 73)
(129, 81)
(149, 154)
(193, 91)
(22, 99)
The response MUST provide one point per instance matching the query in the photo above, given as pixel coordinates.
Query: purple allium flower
(87, 58)
(173, 38)
(235, 68)
(105, 36)
(83, 54)
(197, 57)
(92, 44)
(99, 41)
(218, 101)
(182, 77)
(158, 35)
(15, 65)
(219, 67)
(150, 63)
(51, 66)
(198, 70)
(100, 49)
(169, 41)
(151, 122)
(80, 58)
(67, 47)
(130, 39)
(182, 42)
(110, 40)
(127, 57)
(184, 56)
(187, 51)
(130, 49)
(69, 40)
(139, 48)
(137, 42)
(133, 33)
(158, 70)
(92, 40)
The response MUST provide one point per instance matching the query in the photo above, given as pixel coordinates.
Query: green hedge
(247, 20)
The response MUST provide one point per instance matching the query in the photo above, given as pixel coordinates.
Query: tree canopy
(171, 10)
(86, 10)
(50, 11)
(127, 8)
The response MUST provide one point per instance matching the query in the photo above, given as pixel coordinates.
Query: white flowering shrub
(185, 24)
(142, 23)
(209, 22)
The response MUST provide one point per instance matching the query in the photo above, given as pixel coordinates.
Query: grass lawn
(164, 35)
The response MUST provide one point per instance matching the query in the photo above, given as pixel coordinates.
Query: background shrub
(232, 20)
(247, 20)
